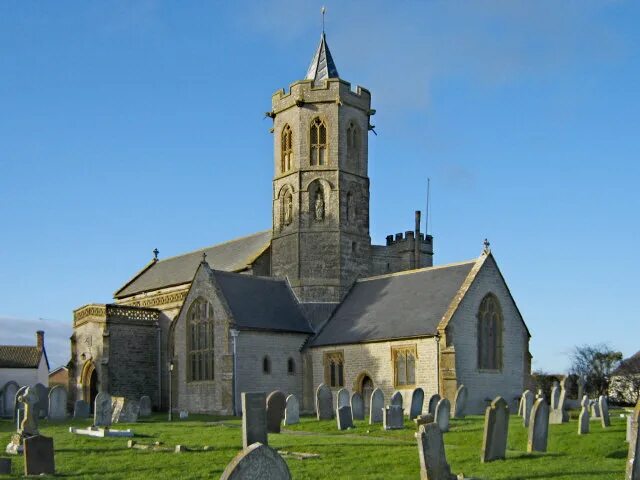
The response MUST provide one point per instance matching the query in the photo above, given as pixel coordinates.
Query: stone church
(312, 300)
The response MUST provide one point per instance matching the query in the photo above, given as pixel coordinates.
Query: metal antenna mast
(427, 212)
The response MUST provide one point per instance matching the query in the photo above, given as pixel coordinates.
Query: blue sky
(130, 125)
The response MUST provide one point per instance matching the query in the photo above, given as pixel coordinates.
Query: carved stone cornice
(158, 300)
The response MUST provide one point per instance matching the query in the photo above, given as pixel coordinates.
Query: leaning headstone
(17, 405)
(460, 402)
(291, 411)
(254, 418)
(344, 418)
(396, 399)
(31, 402)
(433, 401)
(633, 457)
(38, 456)
(102, 410)
(124, 410)
(57, 403)
(496, 430)
(433, 460)
(8, 397)
(276, 403)
(393, 418)
(324, 402)
(423, 419)
(527, 405)
(443, 412)
(43, 403)
(538, 427)
(81, 409)
(375, 406)
(5, 466)
(357, 406)
(559, 414)
(583, 421)
(595, 409)
(257, 461)
(342, 398)
(555, 395)
(145, 406)
(604, 411)
(417, 401)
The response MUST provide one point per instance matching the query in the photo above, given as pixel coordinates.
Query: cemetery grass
(364, 452)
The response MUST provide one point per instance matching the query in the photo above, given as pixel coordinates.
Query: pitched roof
(322, 65)
(629, 366)
(261, 303)
(14, 356)
(234, 255)
(400, 305)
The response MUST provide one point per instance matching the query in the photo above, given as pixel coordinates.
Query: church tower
(321, 239)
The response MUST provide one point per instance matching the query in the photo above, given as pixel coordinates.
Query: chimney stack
(40, 340)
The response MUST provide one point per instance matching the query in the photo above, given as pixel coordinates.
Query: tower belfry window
(353, 145)
(287, 149)
(318, 142)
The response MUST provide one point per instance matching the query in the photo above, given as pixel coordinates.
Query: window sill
(488, 370)
(198, 382)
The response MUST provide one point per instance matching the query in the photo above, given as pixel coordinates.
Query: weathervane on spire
(323, 10)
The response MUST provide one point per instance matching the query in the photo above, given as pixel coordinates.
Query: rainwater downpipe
(234, 336)
(159, 368)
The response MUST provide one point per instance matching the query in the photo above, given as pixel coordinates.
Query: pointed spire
(322, 65)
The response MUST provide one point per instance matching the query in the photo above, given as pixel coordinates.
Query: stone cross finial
(204, 257)
(487, 246)
(155, 254)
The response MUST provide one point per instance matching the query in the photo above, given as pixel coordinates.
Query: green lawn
(365, 452)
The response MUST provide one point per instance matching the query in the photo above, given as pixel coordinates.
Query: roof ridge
(416, 270)
(237, 274)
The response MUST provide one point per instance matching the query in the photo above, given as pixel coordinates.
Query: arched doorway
(89, 383)
(365, 388)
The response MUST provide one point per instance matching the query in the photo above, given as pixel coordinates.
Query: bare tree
(595, 363)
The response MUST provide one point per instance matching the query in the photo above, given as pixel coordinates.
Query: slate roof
(261, 303)
(322, 65)
(401, 305)
(13, 356)
(629, 366)
(233, 255)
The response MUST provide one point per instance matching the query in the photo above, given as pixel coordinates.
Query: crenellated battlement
(333, 90)
(408, 236)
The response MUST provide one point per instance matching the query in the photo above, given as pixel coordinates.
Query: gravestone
(291, 411)
(117, 404)
(17, 405)
(324, 402)
(342, 398)
(102, 410)
(581, 384)
(31, 404)
(583, 421)
(145, 406)
(423, 419)
(124, 410)
(81, 409)
(443, 412)
(555, 395)
(254, 418)
(9, 392)
(39, 456)
(57, 403)
(43, 403)
(630, 427)
(496, 430)
(393, 418)
(417, 401)
(604, 411)
(538, 427)
(376, 406)
(633, 457)
(527, 405)
(433, 460)
(257, 461)
(595, 409)
(460, 402)
(396, 399)
(276, 403)
(433, 401)
(5, 466)
(559, 414)
(344, 418)
(357, 406)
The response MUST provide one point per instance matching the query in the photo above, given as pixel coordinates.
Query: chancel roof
(14, 356)
(234, 255)
(261, 303)
(322, 65)
(401, 305)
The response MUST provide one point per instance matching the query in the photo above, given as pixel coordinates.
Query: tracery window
(404, 365)
(334, 369)
(286, 144)
(200, 341)
(490, 334)
(353, 144)
(291, 366)
(318, 142)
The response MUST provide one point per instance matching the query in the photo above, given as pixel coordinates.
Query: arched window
(353, 144)
(334, 369)
(291, 366)
(286, 144)
(318, 143)
(266, 365)
(404, 363)
(490, 334)
(200, 341)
